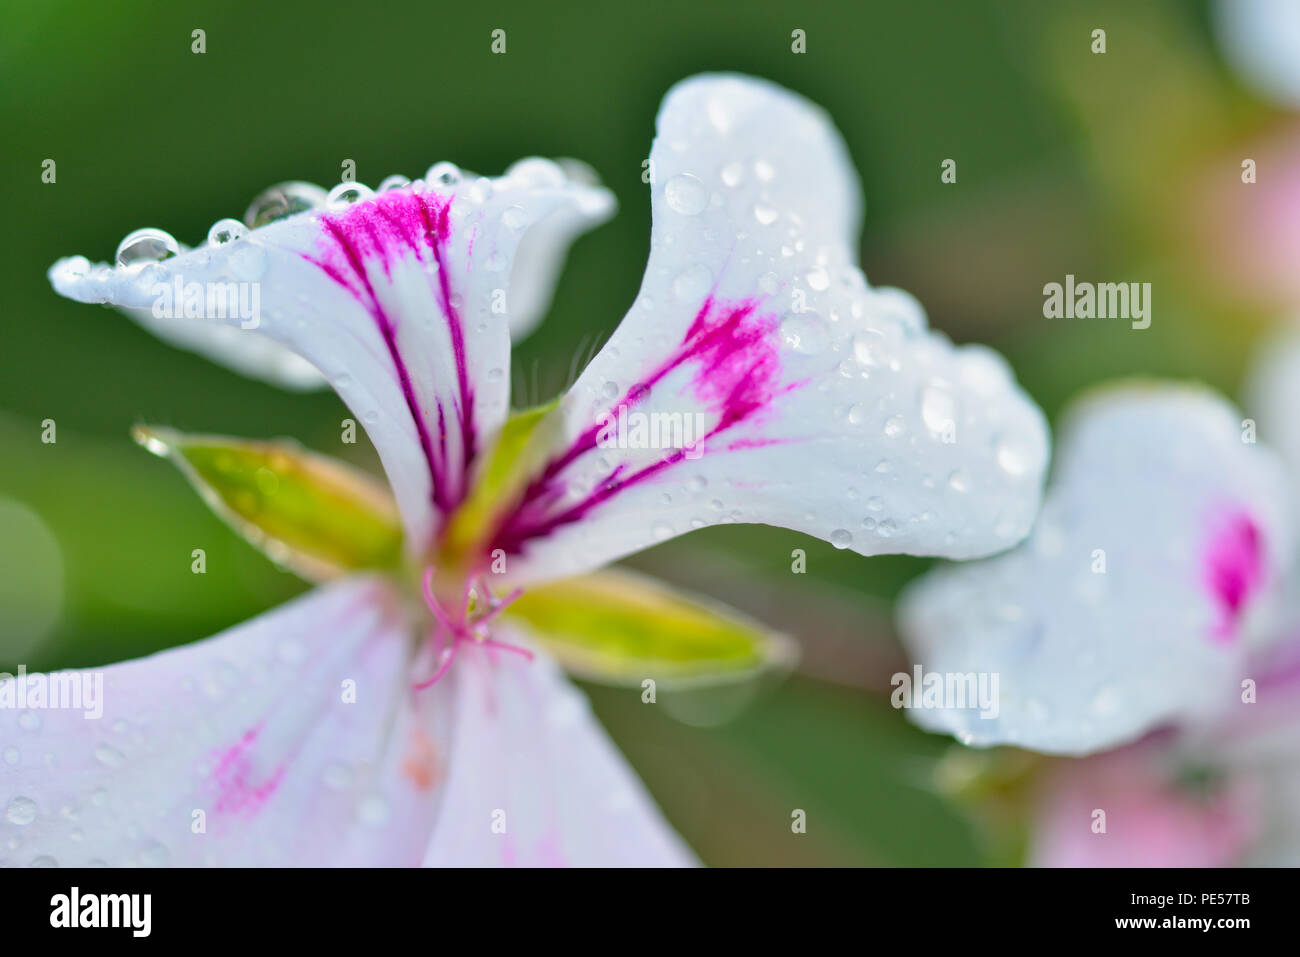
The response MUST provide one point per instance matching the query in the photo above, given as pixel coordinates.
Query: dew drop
(763, 170)
(281, 200)
(959, 481)
(21, 811)
(938, 409)
(225, 231)
(1013, 458)
(443, 174)
(515, 218)
(661, 531)
(108, 756)
(766, 215)
(395, 181)
(866, 349)
(841, 538)
(537, 172)
(819, 279)
(686, 194)
(733, 174)
(29, 721)
(805, 333)
(146, 246)
(894, 426)
(348, 194)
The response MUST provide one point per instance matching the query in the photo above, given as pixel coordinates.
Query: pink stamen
(461, 628)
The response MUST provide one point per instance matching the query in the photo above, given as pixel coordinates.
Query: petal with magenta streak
(1151, 573)
(758, 378)
(291, 740)
(402, 300)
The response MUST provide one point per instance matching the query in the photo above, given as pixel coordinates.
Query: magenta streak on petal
(737, 368)
(236, 793)
(384, 230)
(1233, 569)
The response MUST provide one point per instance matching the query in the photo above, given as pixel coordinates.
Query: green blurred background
(1067, 162)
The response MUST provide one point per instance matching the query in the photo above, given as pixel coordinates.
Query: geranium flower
(825, 406)
(1151, 612)
(1138, 595)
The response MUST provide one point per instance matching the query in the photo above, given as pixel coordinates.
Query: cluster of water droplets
(151, 245)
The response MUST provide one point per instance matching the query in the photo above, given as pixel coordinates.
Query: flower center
(467, 625)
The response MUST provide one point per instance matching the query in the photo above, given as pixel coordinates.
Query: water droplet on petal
(686, 194)
(516, 218)
(867, 350)
(841, 538)
(395, 181)
(21, 811)
(146, 246)
(281, 200)
(1013, 457)
(536, 171)
(225, 231)
(661, 530)
(108, 756)
(347, 194)
(938, 409)
(443, 174)
(805, 333)
(733, 174)
(765, 215)
(894, 426)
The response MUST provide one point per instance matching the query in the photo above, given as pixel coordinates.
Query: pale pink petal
(293, 739)
(1129, 808)
(535, 781)
(1153, 569)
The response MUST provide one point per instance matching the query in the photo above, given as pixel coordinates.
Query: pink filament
(462, 629)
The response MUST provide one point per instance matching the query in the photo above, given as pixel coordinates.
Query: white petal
(535, 781)
(539, 260)
(1136, 598)
(1261, 39)
(401, 301)
(820, 404)
(240, 750)
(1272, 395)
(245, 351)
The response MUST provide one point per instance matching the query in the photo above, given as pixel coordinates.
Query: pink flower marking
(385, 230)
(1233, 569)
(736, 373)
(236, 791)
